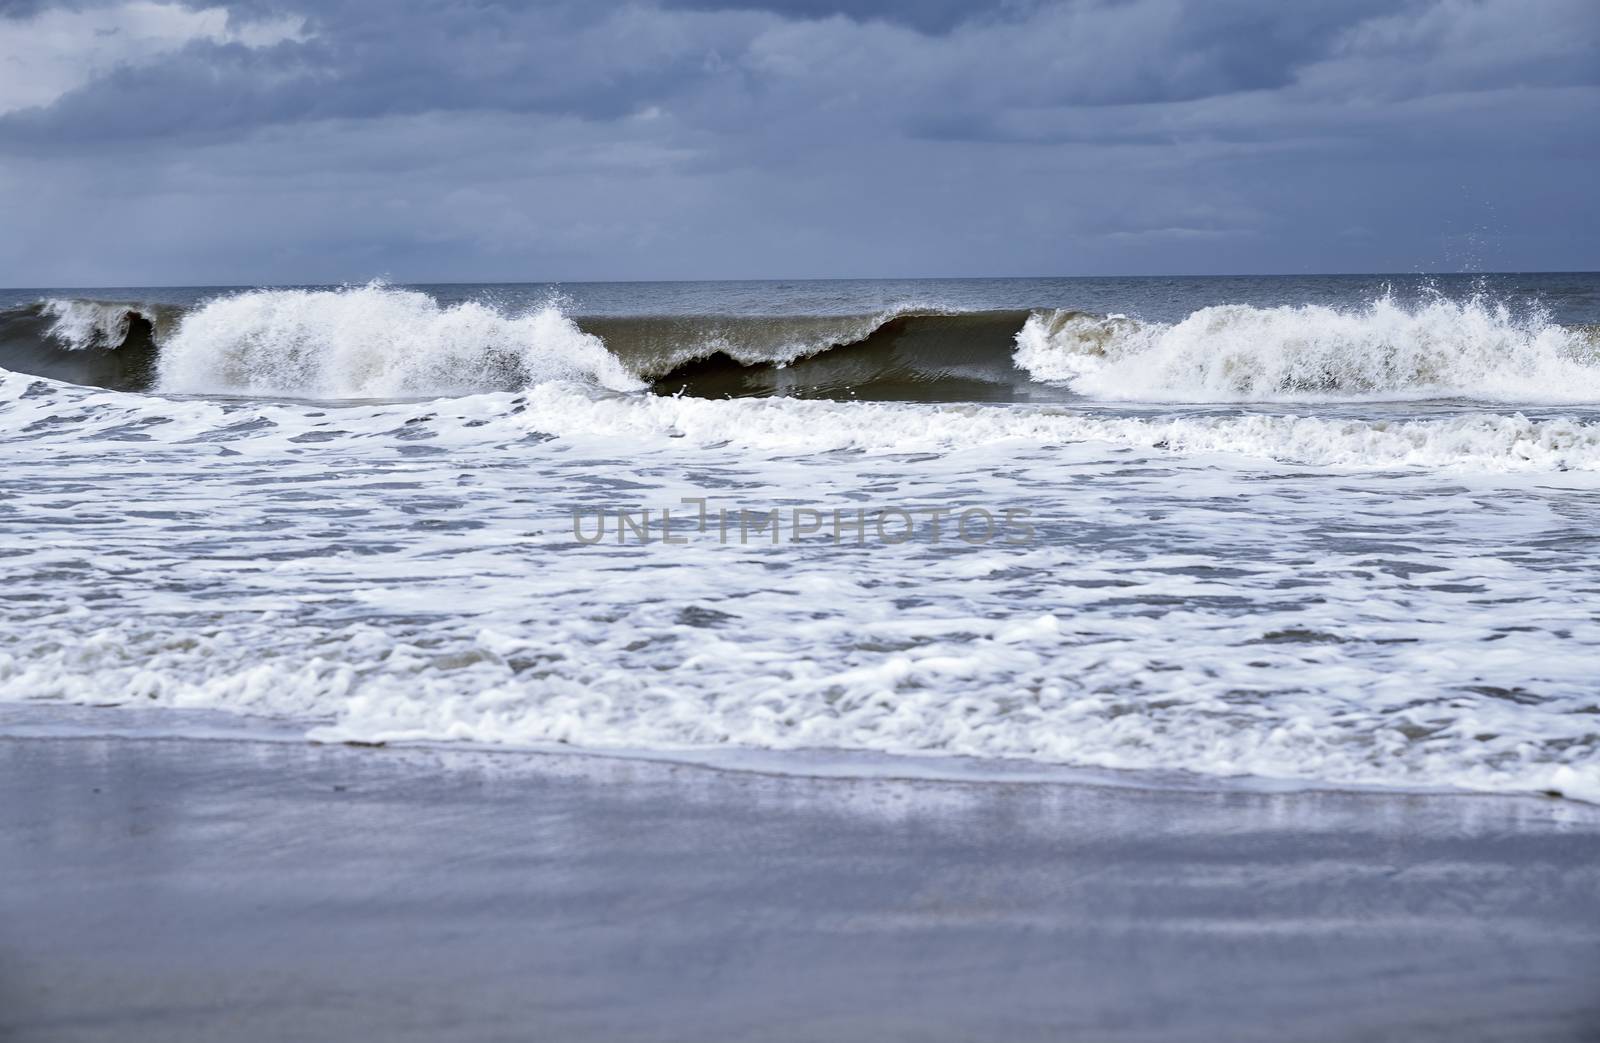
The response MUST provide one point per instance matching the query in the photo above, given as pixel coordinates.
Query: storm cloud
(147, 142)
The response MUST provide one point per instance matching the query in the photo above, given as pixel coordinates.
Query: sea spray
(375, 341)
(1440, 348)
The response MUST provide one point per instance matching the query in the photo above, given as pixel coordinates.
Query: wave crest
(89, 325)
(109, 344)
(1440, 348)
(654, 346)
(375, 341)
(916, 355)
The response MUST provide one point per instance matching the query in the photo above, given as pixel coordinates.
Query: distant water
(1333, 530)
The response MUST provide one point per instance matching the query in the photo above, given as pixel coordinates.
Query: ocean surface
(1323, 531)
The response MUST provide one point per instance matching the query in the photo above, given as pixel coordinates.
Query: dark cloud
(707, 137)
(731, 62)
(364, 58)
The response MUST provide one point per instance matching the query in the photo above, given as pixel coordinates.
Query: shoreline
(177, 889)
(77, 721)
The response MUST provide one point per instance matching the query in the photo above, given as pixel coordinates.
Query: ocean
(1322, 532)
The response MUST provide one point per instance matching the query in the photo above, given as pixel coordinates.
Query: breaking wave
(918, 356)
(90, 325)
(654, 346)
(110, 344)
(1441, 348)
(375, 342)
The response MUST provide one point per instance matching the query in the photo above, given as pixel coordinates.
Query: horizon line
(788, 279)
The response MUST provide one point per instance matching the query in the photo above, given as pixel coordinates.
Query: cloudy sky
(147, 142)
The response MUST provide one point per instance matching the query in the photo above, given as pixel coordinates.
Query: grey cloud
(929, 16)
(375, 59)
(702, 138)
(731, 67)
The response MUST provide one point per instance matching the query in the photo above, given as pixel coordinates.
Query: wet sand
(161, 889)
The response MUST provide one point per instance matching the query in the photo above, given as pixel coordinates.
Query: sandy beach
(169, 889)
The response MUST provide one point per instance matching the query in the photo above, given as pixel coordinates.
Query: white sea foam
(374, 341)
(1472, 441)
(1296, 595)
(1463, 442)
(1441, 348)
(1180, 612)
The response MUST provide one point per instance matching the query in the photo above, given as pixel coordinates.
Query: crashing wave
(87, 325)
(109, 344)
(375, 341)
(1440, 348)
